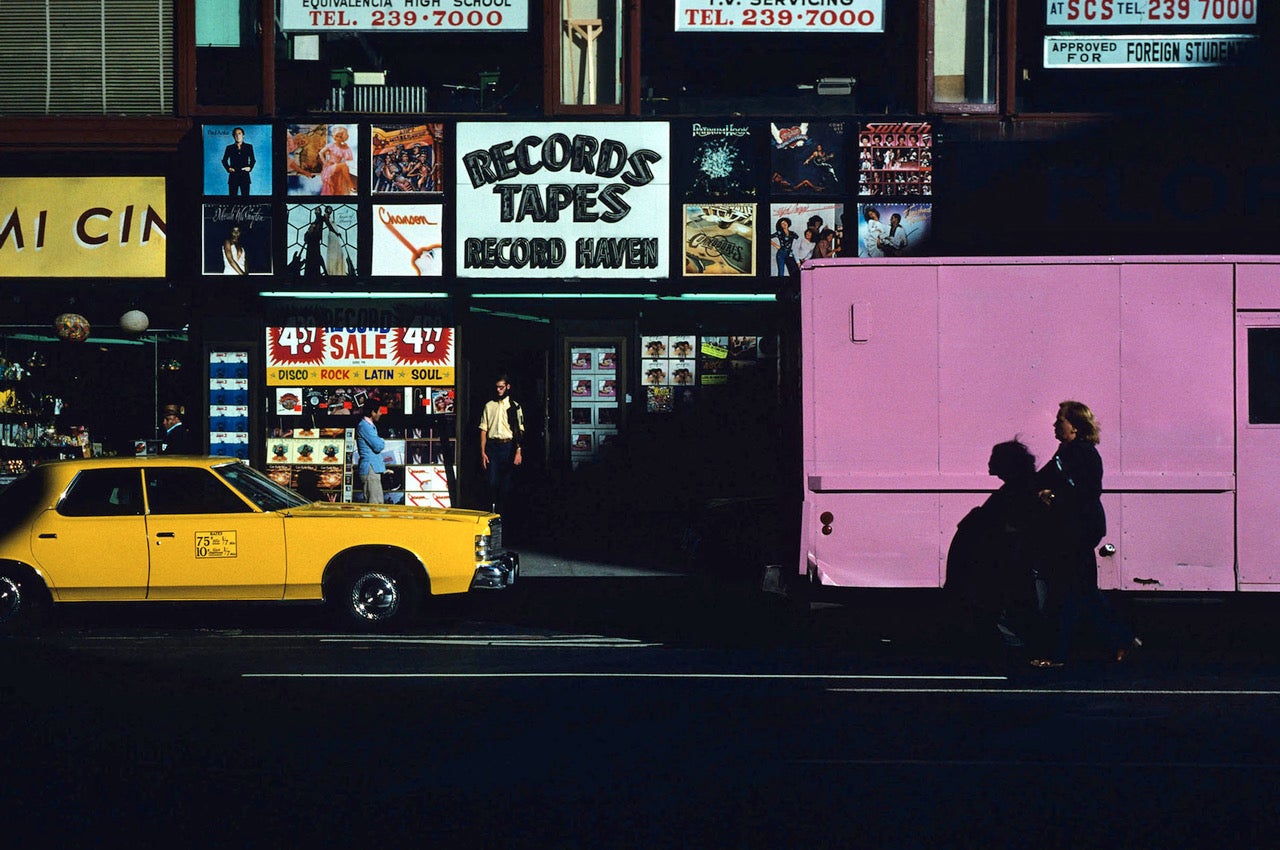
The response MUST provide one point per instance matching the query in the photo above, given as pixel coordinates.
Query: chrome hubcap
(10, 598)
(375, 596)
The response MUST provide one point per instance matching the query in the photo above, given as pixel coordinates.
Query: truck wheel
(374, 599)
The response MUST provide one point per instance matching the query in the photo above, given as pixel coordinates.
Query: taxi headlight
(482, 547)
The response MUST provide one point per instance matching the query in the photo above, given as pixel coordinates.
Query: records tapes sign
(557, 200)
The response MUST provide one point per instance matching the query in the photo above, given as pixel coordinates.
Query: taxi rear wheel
(374, 598)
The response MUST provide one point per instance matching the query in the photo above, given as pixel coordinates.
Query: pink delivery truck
(913, 368)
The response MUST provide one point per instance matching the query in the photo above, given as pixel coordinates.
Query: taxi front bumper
(499, 572)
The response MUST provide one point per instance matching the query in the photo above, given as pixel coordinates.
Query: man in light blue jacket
(369, 448)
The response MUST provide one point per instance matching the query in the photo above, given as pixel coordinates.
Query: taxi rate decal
(215, 544)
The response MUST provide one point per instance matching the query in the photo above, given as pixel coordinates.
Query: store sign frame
(1075, 52)
(563, 199)
(404, 16)
(792, 17)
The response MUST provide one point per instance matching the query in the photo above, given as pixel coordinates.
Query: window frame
(629, 103)
(185, 73)
(1004, 62)
(91, 477)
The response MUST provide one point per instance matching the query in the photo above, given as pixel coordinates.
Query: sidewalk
(535, 564)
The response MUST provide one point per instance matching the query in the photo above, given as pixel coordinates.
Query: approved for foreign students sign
(1143, 51)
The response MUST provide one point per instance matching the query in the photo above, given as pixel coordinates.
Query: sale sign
(365, 356)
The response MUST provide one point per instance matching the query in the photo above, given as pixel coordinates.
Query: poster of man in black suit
(239, 161)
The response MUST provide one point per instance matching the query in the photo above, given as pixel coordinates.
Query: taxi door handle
(48, 535)
(164, 534)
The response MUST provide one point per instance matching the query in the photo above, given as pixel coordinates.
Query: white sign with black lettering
(563, 200)
(1143, 51)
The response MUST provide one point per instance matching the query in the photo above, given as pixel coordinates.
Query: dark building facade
(319, 202)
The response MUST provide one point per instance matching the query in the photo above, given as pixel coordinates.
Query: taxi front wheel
(21, 603)
(374, 598)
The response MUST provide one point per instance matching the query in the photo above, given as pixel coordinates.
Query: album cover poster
(720, 160)
(895, 159)
(408, 240)
(322, 159)
(653, 346)
(237, 239)
(807, 158)
(654, 372)
(582, 360)
(657, 399)
(742, 349)
(802, 230)
(682, 345)
(321, 240)
(237, 163)
(606, 360)
(894, 230)
(581, 389)
(406, 158)
(683, 372)
(719, 239)
(442, 400)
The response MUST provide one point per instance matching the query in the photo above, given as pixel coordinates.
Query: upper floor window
(962, 65)
(228, 55)
(87, 57)
(588, 44)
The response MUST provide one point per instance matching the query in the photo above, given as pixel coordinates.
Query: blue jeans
(501, 464)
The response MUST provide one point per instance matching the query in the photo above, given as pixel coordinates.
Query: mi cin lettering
(605, 170)
(93, 227)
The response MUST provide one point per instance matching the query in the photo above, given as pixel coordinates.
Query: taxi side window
(103, 492)
(179, 490)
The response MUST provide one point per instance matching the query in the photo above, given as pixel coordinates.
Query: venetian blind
(86, 57)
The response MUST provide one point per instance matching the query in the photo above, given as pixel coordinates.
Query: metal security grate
(377, 99)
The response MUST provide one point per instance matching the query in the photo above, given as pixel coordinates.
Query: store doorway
(519, 348)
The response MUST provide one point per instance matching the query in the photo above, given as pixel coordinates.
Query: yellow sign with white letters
(82, 227)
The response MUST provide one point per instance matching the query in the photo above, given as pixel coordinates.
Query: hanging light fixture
(134, 322)
(71, 327)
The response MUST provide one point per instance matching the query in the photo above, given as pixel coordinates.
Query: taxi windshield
(259, 489)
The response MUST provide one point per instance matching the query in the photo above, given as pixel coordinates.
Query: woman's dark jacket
(1077, 522)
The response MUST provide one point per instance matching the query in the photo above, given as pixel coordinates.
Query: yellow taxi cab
(207, 529)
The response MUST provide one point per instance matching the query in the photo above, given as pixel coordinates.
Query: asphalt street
(630, 708)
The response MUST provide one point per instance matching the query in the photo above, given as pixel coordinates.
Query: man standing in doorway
(501, 428)
(369, 447)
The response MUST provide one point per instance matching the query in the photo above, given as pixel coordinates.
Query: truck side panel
(954, 357)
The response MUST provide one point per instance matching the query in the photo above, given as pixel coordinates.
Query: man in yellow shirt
(501, 428)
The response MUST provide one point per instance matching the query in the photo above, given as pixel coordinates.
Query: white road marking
(551, 675)
(531, 641)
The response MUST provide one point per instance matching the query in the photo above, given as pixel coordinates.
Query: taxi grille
(495, 536)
